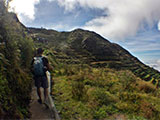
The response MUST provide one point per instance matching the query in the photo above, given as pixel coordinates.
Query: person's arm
(47, 65)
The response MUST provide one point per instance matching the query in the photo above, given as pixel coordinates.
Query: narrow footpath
(39, 111)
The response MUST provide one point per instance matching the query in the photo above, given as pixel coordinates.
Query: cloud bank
(155, 64)
(119, 19)
(25, 9)
(123, 17)
(158, 64)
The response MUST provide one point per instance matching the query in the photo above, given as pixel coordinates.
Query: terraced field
(86, 47)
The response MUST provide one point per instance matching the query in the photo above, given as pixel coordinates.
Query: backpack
(38, 66)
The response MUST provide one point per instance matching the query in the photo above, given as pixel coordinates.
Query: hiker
(39, 66)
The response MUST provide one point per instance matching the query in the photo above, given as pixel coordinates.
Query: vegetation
(80, 46)
(89, 86)
(82, 92)
(93, 78)
(16, 50)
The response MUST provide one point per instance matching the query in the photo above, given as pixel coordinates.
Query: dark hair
(40, 51)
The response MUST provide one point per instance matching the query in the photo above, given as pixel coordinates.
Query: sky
(134, 24)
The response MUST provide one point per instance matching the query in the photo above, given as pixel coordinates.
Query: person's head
(39, 51)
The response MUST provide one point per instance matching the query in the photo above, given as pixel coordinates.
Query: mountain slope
(16, 51)
(85, 87)
(81, 46)
(93, 80)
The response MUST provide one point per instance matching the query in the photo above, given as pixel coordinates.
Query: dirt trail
(38, 111)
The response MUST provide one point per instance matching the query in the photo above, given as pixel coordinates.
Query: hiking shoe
(40, 101)
(46, 103)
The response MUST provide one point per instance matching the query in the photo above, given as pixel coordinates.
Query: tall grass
(83, 92)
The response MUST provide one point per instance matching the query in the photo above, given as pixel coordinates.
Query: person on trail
(39, 66)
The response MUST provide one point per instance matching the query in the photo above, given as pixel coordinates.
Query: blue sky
(146, 46)
(132, 24)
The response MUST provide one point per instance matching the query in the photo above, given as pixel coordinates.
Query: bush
(95, 93)
(147, 87)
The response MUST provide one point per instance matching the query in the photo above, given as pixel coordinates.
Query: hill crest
(83, 46)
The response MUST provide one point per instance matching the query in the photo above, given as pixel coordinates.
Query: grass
(83, 92)
(107, 90)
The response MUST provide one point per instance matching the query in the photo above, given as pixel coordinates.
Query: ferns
(16, 51)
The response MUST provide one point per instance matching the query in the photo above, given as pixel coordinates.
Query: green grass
(83, 92)
(102, 81)
(81, 46)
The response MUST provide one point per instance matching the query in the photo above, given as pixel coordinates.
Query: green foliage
(136, 117)
(16, 51)
(85, 47)
(4, 92)
(101, 93)
(96, 79)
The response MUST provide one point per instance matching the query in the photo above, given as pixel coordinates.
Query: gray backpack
(38, 66)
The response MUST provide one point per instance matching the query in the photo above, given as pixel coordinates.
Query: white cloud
(158, 61)
(140, 43)
(61, 27)
(24, 8)
(159, 25)
(155, 64)
(124, 17)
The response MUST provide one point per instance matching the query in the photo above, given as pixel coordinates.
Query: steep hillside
(16, 51)
(93, 78)
(81, 46)
(83, 92)
(96, 79)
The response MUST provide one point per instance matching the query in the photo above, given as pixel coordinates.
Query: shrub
(147, 110)
(147, 87)
(100, 113)
(100, 96)
(95, 93)
(78, 88)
